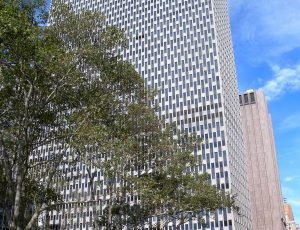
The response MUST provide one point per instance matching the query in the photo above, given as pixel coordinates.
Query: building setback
(263, 176)
(183, 49)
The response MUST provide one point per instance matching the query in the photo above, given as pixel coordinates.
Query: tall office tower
(264, 183)
(183, 49)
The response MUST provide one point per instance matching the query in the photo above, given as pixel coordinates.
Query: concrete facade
(183, 49)
(264, 183)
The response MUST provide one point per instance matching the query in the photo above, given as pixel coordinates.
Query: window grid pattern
(182, 48)
(235, 145)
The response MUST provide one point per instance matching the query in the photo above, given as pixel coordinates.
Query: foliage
(48, 77)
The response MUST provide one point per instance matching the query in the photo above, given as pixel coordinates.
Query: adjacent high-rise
(264, 183)
(183, 49)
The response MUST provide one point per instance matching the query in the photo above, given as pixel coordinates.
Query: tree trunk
(109, 217)
(16, 207)
(32, 220)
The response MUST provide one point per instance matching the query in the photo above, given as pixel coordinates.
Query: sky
(266, 39)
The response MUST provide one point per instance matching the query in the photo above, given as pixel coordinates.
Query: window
(246, 99)
(252, 98)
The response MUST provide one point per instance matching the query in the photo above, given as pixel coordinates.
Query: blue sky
(266, 37)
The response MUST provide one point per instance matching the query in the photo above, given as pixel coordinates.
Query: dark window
(246, 99)
(252, 98)
(241, 100)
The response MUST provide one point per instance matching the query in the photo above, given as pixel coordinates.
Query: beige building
(289, 216)
(288, 211)
(264, 184)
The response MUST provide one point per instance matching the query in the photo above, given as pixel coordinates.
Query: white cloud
(290, 178)
(271, 26)
(285, 79)
(291, 122)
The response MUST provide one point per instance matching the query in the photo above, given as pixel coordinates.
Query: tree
(159, 174)
(67, 99)
(176, 193)
(31, 98)
(45, 80)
